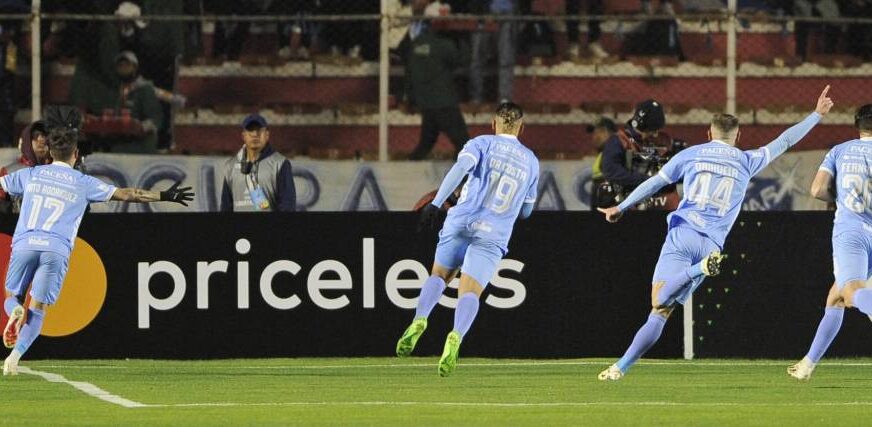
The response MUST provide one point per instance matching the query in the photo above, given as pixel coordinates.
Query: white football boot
(611, 374)
(801, 370)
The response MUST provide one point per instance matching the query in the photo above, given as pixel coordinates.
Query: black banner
(344, 284)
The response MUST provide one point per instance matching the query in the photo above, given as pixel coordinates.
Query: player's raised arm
(138, 195)
(794, 134)
(670, 173)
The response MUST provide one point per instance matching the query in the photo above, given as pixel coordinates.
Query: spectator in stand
(294, 37)
(594, 7)
(354, 39)
(137, 95)
(9, 39)
(859, 36)
(655, 37)
(258, 178)
(430, 66)
(826, 9)
(483, 45)
(34, 152)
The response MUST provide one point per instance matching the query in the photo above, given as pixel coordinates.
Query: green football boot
(407, 342)
(448, 361)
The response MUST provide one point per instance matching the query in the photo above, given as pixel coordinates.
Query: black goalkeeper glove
(177, 195)
(429, 218)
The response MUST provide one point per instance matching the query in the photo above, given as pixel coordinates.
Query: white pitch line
(511, 404)
(94, 391)
(87, 388)
(484, 364)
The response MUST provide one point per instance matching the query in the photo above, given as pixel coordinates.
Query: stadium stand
(326, 106)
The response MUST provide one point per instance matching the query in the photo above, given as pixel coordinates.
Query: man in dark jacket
(635, 153)
(137, 95)
(429, 80)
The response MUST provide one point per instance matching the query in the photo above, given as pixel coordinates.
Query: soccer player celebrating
(852, 242)
(55, 197)
(716, 175)
(503, 176)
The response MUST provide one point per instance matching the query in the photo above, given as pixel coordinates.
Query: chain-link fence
(315, 69)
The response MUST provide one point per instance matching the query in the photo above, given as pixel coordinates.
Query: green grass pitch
(386, 391)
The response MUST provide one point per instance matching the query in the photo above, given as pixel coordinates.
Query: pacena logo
(315, 283)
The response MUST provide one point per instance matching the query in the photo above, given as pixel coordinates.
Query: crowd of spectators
(484, 47)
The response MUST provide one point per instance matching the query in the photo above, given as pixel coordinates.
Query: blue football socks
(648, 334)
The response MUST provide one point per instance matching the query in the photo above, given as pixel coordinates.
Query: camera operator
(633, 154)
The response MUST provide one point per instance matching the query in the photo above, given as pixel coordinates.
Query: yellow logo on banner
(82, 295)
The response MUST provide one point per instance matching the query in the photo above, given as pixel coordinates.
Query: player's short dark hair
(725, 123)
(62, 142)
(863, 118)
(510, 114)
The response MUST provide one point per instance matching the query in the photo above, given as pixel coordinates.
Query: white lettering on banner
(519, 292)
(317, 284)
(266, 285)
(393, 283)
(205, 270)
(243, 246)
(369, 273)
(147, 300)
(327, 284)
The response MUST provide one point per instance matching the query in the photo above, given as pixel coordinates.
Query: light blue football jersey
(505, 176)
(850, 163)
(55, 197)
(716, 176)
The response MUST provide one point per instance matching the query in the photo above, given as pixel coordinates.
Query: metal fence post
(731, 57)
(383, 81)
(35, 62)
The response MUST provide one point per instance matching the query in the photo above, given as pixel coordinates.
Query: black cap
(253, 119)
(127, 56)
(648, 116)
(603, 122)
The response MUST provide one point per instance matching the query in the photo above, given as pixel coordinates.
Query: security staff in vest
(258, 178)
(430, 64)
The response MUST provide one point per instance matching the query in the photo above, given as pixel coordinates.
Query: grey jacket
(271, 172)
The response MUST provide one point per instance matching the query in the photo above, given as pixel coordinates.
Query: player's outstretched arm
(647, 189)
(138, 195)
(822, 187)
(794, 134)
(430, 213)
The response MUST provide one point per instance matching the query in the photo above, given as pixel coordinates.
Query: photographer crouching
(633, 154)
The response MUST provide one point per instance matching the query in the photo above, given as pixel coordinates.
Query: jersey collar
(719, 141)
(866, 138)
(506, 135)
(60, 163)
